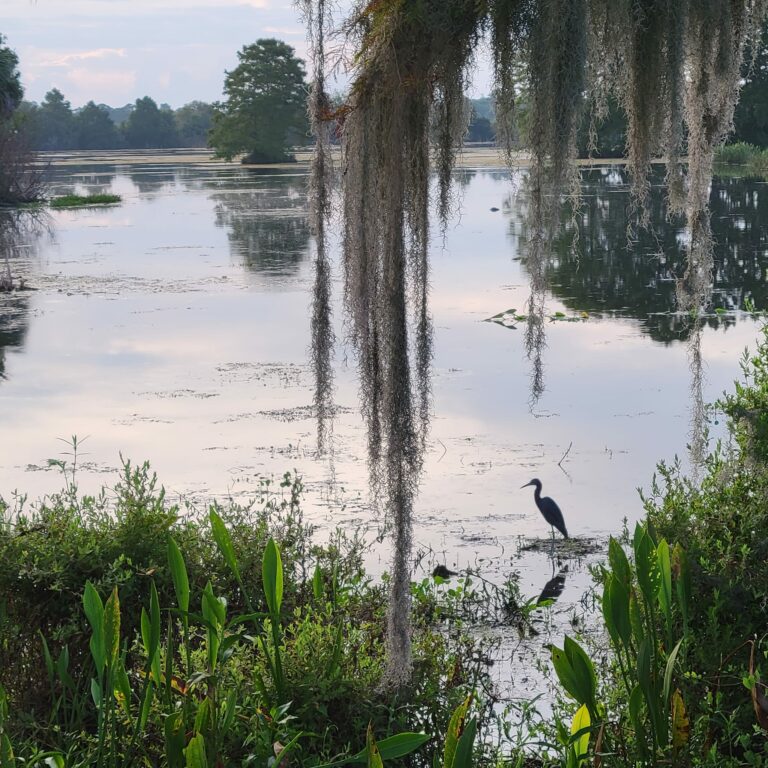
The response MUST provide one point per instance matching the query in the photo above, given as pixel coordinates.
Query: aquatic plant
(80, 201)
(674, 68)
(721, 519)
(739, 153)
(753, 159)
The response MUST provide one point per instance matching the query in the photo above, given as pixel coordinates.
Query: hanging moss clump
(409, 76)
(672, 64)
(321, 120)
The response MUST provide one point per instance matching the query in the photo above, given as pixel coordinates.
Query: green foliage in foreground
(131, 633)
(80, 201)
(640, 715)
(723, 525)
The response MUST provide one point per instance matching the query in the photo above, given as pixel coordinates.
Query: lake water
(174, 328)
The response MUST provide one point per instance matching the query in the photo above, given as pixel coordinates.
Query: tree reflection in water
(592, 267)
(604, 274)
(14, 323)
(267, 224)
(20, 232)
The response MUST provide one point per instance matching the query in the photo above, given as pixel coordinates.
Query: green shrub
(753, 159)
(759, 163)
(739, 153)
(722, 523)
(285, 643)
(47, 555)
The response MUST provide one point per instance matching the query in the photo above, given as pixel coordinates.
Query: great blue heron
(548, 509)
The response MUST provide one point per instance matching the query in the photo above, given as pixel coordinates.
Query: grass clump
(740, 153)
(80, 201)
(752, 159)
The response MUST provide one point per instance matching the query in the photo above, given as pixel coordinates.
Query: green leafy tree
(480, 129)
(751, 117)
(56, 122)
(118, 115)
(193, 123)
(11, 91)
(150, 127)
(19, 181)
(265, 109)
(94, 128)
(610, 132)
(26, 119)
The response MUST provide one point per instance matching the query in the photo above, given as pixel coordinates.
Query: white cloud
(67, 59)
(22, 8)
(90, 81)
(286, 31)
(172, 50)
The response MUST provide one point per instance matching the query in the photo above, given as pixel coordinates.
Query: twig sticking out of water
(562, 459)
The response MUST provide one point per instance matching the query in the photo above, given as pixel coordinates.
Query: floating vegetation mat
(83, 201)
(573, 548)
(509, 318)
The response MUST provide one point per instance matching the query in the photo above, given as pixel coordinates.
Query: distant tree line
(54, 125)
(264, 114)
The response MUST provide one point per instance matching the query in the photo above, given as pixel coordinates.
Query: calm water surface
(175, 328)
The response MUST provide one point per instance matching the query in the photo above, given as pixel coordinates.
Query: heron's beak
(526, 485)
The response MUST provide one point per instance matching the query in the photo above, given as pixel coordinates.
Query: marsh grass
(81, 201)
(747, 157)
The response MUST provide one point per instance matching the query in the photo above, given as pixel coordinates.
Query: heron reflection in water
(554, 587)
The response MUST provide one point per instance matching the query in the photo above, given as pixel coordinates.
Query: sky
(115, 51)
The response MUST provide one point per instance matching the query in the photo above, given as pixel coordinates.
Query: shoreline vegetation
(740, 154)
(753, 160)
(470, 156)
(739, 157)
(135, 632)
(83, 201)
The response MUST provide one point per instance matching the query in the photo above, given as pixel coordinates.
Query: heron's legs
(552, 543)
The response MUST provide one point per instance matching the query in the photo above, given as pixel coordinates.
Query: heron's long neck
(537, 493)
